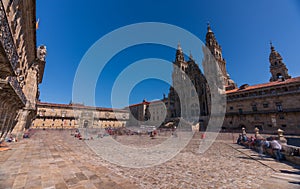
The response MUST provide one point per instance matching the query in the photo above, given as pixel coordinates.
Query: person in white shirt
(276, 147)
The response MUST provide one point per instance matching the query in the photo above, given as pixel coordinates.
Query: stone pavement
(55, 159)
(47, 161)
(287, 175)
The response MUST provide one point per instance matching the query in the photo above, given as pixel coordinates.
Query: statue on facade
(41, 53)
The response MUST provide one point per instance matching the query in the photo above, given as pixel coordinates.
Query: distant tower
(216, 50)
(179, 60)
(277, 67)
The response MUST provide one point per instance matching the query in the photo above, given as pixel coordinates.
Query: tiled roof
(147, 102)
(138, 104)
(79, 106)
(266, 85)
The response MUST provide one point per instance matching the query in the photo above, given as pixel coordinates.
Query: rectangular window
(279, 107)
(240, 110)
(265, 105)
(254, 108)
(231, 108)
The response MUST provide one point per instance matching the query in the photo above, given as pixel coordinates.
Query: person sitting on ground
(239, 140)
(26, 135)
(259, 146)
(250, 142)
(244, 138)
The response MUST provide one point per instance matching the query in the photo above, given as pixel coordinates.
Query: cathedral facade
(188, 96)
(268, 106)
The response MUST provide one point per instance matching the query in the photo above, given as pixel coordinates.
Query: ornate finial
(191, 56)
(179, 47)
(271, 45)
(208, 27)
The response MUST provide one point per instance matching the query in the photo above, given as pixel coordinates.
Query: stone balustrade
(290, 153)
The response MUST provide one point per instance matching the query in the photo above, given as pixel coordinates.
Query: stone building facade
(139, 113)
(269, 106)
(68, 116)
(21, 65)
(147, 113)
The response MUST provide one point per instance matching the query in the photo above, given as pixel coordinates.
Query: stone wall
(56, 116)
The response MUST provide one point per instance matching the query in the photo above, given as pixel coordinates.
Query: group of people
(261, 144)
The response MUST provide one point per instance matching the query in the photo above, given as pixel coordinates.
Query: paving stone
(72, 181)
(81, 176)
(61, 186)
(54, 159)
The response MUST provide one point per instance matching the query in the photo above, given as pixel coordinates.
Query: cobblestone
(55, 159)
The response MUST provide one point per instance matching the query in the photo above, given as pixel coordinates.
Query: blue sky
(243, 28)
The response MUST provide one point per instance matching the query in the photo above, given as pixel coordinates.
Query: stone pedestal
(281, 138)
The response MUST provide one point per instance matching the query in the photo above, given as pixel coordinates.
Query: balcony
(12, 90)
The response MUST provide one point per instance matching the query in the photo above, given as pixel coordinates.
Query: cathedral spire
(179, 54)
(179, 47)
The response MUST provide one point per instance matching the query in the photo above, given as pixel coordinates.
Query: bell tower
(277, 67)
(216, 51)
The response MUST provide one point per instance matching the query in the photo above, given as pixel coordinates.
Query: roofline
(79, 107)
(266, 85)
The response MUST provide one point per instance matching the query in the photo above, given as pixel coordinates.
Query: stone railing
(6, 39)
(290, 153)
(16, 86)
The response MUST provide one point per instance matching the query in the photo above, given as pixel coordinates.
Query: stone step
(288, 177)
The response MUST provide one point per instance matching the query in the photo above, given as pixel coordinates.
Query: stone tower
(216, 50)
(187, 96)
(179, 60)
(277, 67)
